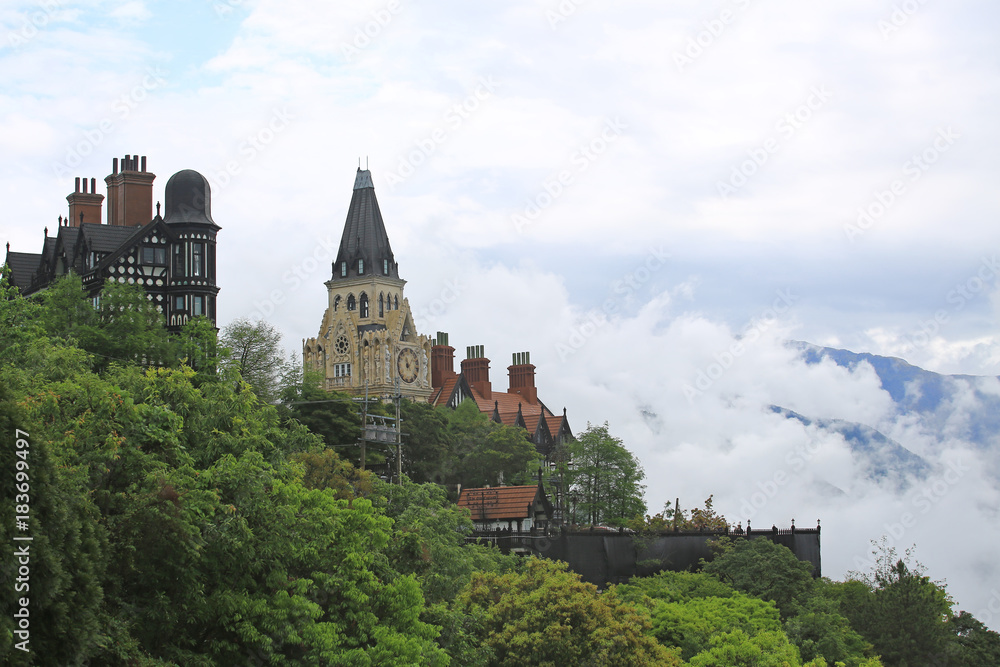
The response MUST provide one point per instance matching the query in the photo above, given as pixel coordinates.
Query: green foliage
(766, 570)
(197, 346)
(606, 478)
(692, 624)
(820, 630)
(125, 327)
(429, 540)
(738, 649)
(899, 610)
(480, 452)
(975, 644)
(253, 349)
(544, 615)
(428, 455)
(177, 530)
(65, 556)
(332, 415)
(671, 518)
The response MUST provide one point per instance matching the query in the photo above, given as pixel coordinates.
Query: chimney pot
(143, 163)
(93, 186)
(77, 184)
(114, 166)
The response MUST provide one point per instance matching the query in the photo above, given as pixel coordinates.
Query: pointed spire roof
(364, 236)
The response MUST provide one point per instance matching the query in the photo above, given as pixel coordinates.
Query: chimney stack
(130, 192)
(476, 369)
(521, 374)
(442, 360)
(84, 206)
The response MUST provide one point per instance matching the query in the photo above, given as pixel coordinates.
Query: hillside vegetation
(179, 519)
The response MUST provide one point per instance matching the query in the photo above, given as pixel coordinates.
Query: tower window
(364, 305)
(361, 267)
(336, 302)
(395, 303)
(343, 269)
(179, 303)
(198, 259)
(197, 305)
(351, 305)
(385, 267)
(179, 261)
(381, 306)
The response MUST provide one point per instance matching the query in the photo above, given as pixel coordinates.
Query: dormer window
(385, 267)
(343, 269)
(361, 267)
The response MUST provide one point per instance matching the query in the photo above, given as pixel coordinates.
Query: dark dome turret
(188, 198)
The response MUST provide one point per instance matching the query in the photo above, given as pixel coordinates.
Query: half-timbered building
(172, 257)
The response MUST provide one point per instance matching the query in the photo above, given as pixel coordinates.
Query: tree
(487, 453)
(122, 326)
(197, 346)
(427, 452)
(766, 570)
(254, 350)
(975, 644)
(671, 518)
(332, 415)
(606, 478)
(899, 610)
(545, 615)
(738, 649)
(504, 456)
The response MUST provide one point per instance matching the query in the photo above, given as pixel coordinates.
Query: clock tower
(367, 341)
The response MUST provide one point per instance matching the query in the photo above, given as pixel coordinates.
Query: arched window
(395, 303)
(381, 306)
(336, 302)
(350, 302)
(364, 305)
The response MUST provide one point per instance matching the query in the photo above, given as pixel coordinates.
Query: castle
(368, 345)
(172, 257)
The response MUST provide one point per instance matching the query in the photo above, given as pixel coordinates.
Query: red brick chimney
(130, 192)
(84, 206)
(442, 361)
(476, 369)
(522, 377)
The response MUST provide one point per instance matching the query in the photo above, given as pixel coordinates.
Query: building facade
(172, 257)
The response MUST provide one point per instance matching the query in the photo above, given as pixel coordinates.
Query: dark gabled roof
(364, 234)
(68, 238)
(107, 238)
(49, 249)
(22, 267)
(136, 235)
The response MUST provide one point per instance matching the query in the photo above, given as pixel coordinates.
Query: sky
(652, 198)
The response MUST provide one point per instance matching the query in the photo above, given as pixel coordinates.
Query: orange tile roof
(444, 393)
(500, 503)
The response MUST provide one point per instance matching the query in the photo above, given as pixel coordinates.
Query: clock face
(407, 365)
(341, 345)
